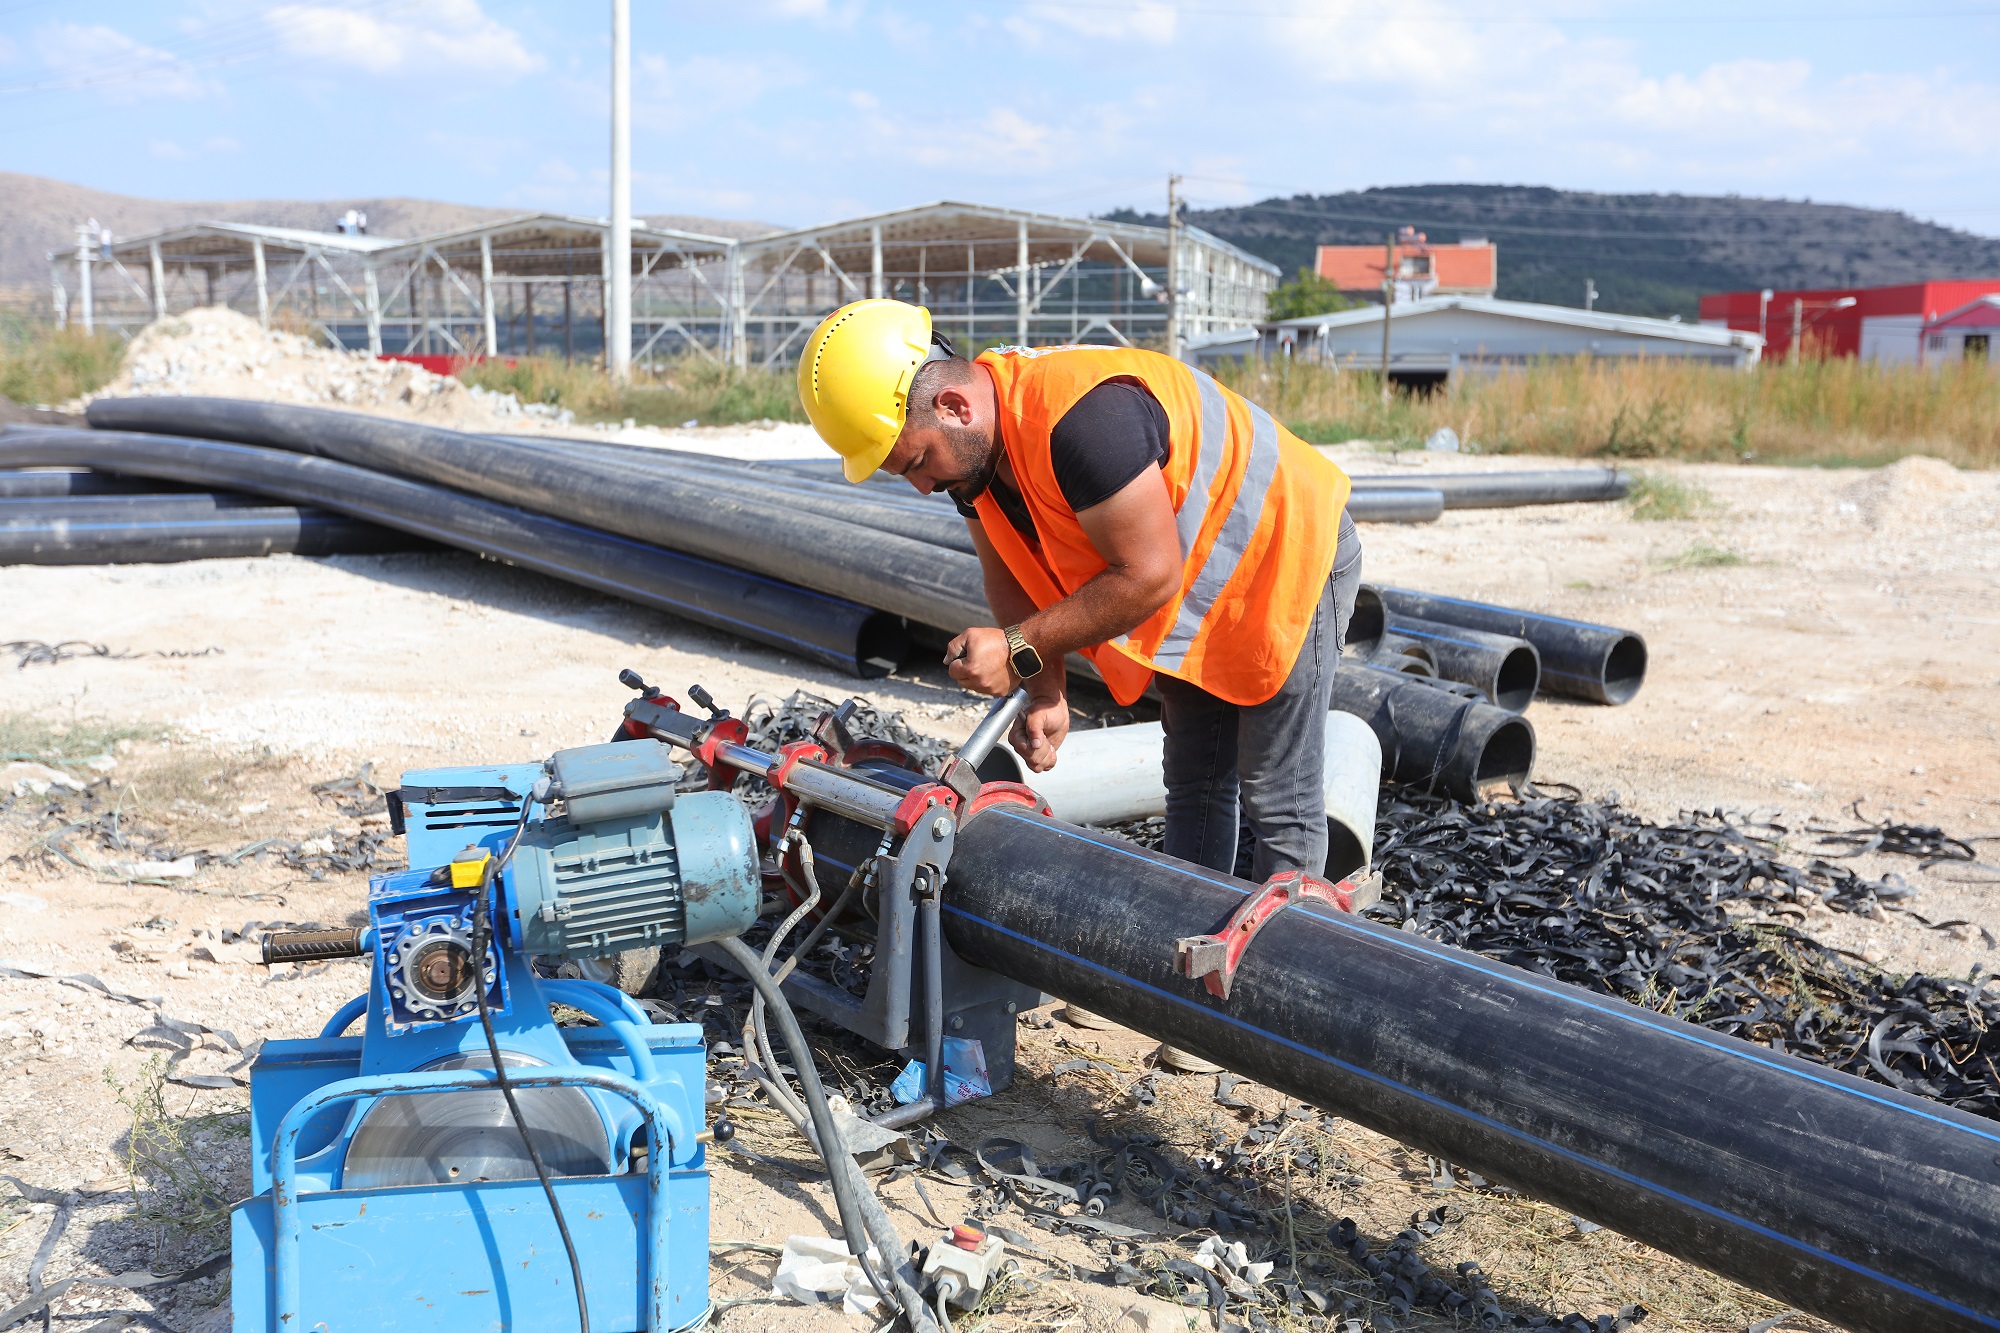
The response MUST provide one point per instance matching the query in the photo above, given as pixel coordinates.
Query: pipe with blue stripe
(1874, 1209)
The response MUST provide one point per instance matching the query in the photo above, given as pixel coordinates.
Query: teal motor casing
(627, 862)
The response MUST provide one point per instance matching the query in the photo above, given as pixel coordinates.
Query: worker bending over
(1127, 507)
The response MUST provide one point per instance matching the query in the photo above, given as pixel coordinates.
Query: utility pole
(1589, 294)
(86, 239)
(1763, 313)
(1174, 267)
(618, 291)
(1798, 328)
(1388, 300)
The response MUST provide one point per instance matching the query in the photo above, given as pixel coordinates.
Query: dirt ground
(1818, 638)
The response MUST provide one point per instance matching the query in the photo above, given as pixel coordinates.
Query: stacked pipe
(780, 553)
(104, 527)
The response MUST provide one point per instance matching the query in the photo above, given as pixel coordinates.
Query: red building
(1874, 323)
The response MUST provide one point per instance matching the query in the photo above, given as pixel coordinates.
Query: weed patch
(1655, 497)
(45, 366)
(179, 1164)
(26, 736)
(1701, 555)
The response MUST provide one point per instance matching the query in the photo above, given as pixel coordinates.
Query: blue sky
(799, 111)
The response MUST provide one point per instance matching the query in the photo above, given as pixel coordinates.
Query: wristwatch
(1021, 654)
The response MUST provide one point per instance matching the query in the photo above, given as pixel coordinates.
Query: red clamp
(789, 755)
(1214, 958)
(727, 731)
(920, 801)
(1007, 793)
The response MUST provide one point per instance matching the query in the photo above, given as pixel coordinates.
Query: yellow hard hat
(855, 375)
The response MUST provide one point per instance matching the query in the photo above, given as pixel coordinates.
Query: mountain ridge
(1649, 254)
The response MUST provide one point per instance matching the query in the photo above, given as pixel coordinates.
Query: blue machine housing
(314, 1251)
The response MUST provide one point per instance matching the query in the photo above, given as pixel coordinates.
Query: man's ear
(954, 402)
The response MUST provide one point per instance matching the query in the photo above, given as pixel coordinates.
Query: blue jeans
(1260, 766)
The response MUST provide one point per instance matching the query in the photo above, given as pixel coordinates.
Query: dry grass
(689, 389)
(43, 366)
(1826, 412)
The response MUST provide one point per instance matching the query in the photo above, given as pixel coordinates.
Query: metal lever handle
(311, 946)
(988, 733)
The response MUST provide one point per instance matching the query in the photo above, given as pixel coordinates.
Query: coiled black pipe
(1597, 662)
(19, 484)
(147, 534)
(763, 535)
(1505, 669)
(819, 628)
(1874, 1209)
(1435, 739)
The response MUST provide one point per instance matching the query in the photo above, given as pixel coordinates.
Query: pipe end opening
(882, 645)
(1368, 622)
(1624, 669)
(1507, 758)
(1519, 676)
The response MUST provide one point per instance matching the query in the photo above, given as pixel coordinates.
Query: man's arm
(1134, 531)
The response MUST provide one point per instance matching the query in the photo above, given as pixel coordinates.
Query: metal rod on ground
(1872, 1208)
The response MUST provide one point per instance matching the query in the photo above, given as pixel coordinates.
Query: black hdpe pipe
(1597, 662)
(1400, 652)
(20, 484)
(763, 535)
(1505, 669)
(1508, 490)
(142, 536)
(819, 628)
(156, 504)
(1433, 738)
(1874, 1209)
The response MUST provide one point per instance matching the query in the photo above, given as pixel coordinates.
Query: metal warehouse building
(1432, 339)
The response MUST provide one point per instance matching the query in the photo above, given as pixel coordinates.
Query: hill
(38, 215)
(1649, 254)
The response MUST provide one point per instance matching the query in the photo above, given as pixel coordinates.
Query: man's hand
(1040, 730)
(979, 660)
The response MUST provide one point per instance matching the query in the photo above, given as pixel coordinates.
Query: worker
(1126, 507)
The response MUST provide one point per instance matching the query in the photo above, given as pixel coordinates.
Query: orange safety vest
(1257, 508)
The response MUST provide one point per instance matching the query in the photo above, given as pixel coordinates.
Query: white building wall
(1892, 338)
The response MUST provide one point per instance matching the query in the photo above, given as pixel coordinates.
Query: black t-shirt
(1108, 437)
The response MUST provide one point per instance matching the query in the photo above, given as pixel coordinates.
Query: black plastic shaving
(1925, 841)
(773, 723)
(1664, 915)
(1591, 894)
(33, 652)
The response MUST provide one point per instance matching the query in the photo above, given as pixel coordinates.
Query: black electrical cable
(851, 1195)
(481, 935)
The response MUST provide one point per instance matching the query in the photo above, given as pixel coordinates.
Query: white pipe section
(1112, 775)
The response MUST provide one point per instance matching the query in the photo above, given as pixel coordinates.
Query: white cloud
(221, 143)
(121, 69)
(8, 51)
(167, 150)
(440, 34)
(1153, 22)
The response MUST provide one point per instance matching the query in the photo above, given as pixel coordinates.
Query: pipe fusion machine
(466, 1163)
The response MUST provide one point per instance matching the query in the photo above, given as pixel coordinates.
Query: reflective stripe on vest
(1239, 525)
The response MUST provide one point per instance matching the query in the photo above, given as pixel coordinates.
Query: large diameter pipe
(819, 628)
(1400, 652)
(764, 536)
(1112, 775)
(137, 538)
(1434, 739)
(1597, 662)
(1505, 669)
(1406, 504)
(1507, 490)
(1874, 1209)
(158, 504)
